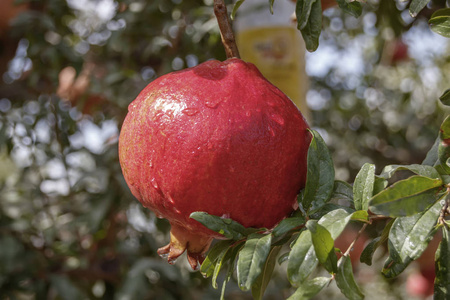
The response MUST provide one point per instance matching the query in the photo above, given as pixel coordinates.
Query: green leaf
(406, 197)
(320, 175)
(408, 238)
(209, 264)
(260, 285)
(353, 8)
(379, 185)
(304, 12)
(271, 6)
(236, 7)
(323, 245)
(442, 280)
(363, 186)
(302, 259)
(227, 227)
(310, 31)
(369, 250)
(346, 281)
(252, 259)
(444, 145)
(342, 191)
(335, 221)
(422, 170)
(231, 259)
(222, 259)
(287, 225)
(432, 157)
(440, 23)
(445, 98)
(416, 6)
(310, 288)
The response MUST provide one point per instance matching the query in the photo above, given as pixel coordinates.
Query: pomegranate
(217, 138)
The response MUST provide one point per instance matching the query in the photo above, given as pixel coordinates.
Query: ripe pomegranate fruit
(217, 138)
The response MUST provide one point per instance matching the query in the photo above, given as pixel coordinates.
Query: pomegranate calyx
(181, 240)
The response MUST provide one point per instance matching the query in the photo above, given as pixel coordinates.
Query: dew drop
(272, 133)
(212, 103)
(190, 111)
(277, 118)
(154, 184)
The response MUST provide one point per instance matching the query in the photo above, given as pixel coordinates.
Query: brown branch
(228, 40)
(356, 238)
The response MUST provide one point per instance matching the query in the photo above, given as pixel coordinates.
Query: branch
(228, 40)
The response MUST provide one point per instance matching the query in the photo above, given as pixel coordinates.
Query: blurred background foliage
(69, 227)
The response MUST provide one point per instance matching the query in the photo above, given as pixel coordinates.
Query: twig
(228, 40)
(356, 238)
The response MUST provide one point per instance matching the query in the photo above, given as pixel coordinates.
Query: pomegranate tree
(217, 138)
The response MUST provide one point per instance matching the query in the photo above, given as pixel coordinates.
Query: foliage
(69, 227)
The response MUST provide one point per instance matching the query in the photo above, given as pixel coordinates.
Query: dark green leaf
(379, 184)
(320, 175)
(302, 259)
(342, 191)
(227, 227)
(432, 156)
(346, 281)
(310, 31)
(416, 6)
(310, 288)
(442, 280)
(369, 250)
(323, 245)
(422, 170)
(222, 259)
(236, 7)
(303, 11)
(231, 259)
(288, 224)
(209, 264)
(252, 258)
(353, 8)
(363, 186)
(260, 285)
(409, 237)
(444, 145)
(445, 98)
(406, 197)
(440, 23)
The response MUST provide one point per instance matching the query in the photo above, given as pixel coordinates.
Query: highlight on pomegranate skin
(217, 138)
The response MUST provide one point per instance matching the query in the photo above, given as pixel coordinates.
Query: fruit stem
(228, 40)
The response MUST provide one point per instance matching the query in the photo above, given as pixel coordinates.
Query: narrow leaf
(236, 7)
(432, 156)
(369, 250)
(346, 281)
(260, 285)
(342, 191)
(303, 11)
(271, 6)
(310, 31)
(310, 288)
(252, 259)
(353, 8)
(363, 186)
(445, 98)
(320, 174)
(287, 225)
(227, 227)
(208, 265)
(222, 259)
(406, 197)
(409, 237)
(444, 145)
(416, 6)
(440, 23)
(323, 245)
(302, 259)
(232, 257)
(442, 280)
(426, 171)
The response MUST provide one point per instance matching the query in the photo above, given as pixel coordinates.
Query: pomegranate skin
(217, 138)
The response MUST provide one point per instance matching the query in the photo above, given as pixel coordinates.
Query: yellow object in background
(275, 46)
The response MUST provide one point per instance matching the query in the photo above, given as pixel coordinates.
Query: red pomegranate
(217, 138)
